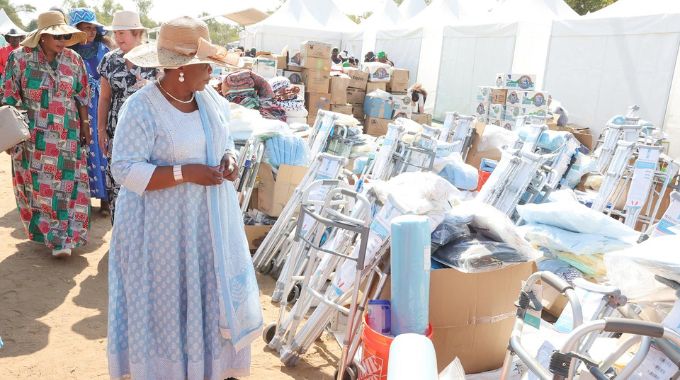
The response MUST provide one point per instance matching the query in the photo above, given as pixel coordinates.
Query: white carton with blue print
(525, 82)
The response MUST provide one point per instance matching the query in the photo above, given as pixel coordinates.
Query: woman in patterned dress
(119, 80)
(92, 51)
(49, 170)
(183, 298)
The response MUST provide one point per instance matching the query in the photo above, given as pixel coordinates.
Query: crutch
(324, 166)
(612, 177)
(323, 126)
(381, 166)
(669, 219)
(641, 182)
(249, 166)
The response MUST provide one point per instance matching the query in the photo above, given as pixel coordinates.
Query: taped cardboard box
(422, 118)
(475, 156)
(397, 87)
(498, 96)
(402, 106)
(537, 99)
(315, 49)
(314, 63)
(378, 107)
(376, 127)
(265, 67)
(581, 134)
(281, 61)
(339, 89)
(526, 82)
(484, 94)
(345, 109)
(372, 86)
(472, 314)
(316, 81)
(355, 95)
(317, 101)
(377, 71)
(274, 194)
(358, 78)
(399, 75)
(358, 111)
(255, 235)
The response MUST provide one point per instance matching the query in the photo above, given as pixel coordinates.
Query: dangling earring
(181, 76)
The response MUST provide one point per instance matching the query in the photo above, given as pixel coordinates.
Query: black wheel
(268, 332)
(294, 294)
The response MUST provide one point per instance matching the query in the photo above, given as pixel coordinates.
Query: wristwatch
(177, 173)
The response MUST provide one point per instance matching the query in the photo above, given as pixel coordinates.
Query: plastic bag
(633, 269)
(449, 231)
(477, 255)
(582, 165)
(558, 239)
(576, 217)
(495, 137)
(457, 172)
(288, 150)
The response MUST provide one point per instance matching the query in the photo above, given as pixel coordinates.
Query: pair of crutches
(249, 161)
(458, 130)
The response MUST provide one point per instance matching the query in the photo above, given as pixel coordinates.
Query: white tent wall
(471, 56)
(403, 47)
(599, 67)
(273, 38)
(531, 49)
(410, 8)
(672, 120)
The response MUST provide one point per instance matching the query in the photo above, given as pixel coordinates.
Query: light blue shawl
(240, 312)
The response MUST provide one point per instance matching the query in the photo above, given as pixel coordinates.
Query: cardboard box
(355, 96)
(265, 67)
(498, 96)
(472, 314)
(358, 111)
(342, 108)
(314, 63)
(422, 118)
(375, 126)
(377, 72)
(495, 121)
(399, 75)
(526, 82)
(483, 94)
(535, 99)
(255, 235)
(339, 90)
(372, 86)
(481, 110)
(514, 98)
(274, 194)
(377, 107)
(475, 156)
(402, 106)
(295, 77)
(281, 61)
(581, 134)
(315, 49)
(397, 87)
(317, 101)
(316, 81)
(497, 111)
(358, 78)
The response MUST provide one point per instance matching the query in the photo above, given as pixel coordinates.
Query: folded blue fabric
(288, 150)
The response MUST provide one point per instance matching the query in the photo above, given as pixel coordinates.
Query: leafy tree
(12, 11)
(143, 7)
(585, 6)
(220, 33)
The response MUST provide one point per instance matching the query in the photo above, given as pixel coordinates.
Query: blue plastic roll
(410, 260)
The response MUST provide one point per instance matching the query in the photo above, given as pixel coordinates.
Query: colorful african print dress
(49, 171)
(92, 54)
(124, 82)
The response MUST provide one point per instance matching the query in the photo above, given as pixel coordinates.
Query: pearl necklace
(193, 94)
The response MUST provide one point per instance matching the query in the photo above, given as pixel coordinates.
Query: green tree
(586, 6)
(220, 33)
(106, 10)
(12, 11)
(143, 7)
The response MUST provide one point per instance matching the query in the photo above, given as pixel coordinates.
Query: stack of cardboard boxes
(315, 68)
(513, 96)
(339, 85)
(356, 92)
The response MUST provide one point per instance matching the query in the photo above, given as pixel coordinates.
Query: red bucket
(483, 177)
(376, 352)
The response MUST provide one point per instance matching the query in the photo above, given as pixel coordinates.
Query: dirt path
(53, 312)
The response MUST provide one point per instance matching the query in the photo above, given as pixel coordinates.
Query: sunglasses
(64, 37)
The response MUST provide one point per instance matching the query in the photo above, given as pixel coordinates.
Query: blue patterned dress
(170, 317)
(92, 54)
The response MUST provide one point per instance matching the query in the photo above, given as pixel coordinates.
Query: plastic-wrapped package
(558, 239)
(477, 255)
(560, 268)
(495, 137)
(548, 140)
(576, 217)
(419, 192)
(582, 165)
(449, 231)
(633, 269)
(589, 265)
(457, 172)
(288, 150)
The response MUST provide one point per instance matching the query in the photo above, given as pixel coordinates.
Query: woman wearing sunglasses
(92, 51)
(119, 79)
(50, 178)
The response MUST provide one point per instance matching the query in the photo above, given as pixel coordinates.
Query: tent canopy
(410, 8)
(386, 16)
(246, 17)
(6, 24)
(532, 10)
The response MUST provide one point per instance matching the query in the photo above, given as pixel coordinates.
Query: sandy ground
(53, 312)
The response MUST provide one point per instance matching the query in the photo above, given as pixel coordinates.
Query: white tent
(622, 55)
(6, 24)
(297, 21)
(513, 38)
(410, 8)
(385, 17)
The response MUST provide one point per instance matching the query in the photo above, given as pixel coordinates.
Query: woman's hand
(85, 135)
(202, 174)
(229, 168)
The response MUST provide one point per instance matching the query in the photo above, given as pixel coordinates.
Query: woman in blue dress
(183, 298)
(92, 52)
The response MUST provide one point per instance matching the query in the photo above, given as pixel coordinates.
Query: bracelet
(177, 173)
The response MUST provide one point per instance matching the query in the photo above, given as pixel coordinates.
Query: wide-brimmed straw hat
(182, 41)
(125, 20)
(53, 23)
(78, 15)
